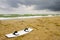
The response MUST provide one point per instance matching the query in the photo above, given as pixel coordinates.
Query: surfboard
(19, 33)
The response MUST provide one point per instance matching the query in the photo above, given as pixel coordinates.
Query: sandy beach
(44, 28)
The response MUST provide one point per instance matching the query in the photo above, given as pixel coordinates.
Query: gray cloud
(56, 6)
(13, 3)
(39, 4)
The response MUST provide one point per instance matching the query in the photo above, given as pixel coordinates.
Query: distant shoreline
(2, 18)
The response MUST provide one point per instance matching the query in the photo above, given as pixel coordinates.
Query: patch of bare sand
(44, 28)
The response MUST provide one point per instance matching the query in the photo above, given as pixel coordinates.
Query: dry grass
(44, 28)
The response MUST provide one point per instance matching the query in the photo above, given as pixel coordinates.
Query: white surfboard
(19, 33)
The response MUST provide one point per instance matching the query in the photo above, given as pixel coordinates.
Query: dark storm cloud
(13, 3)
(56, 6)
(39, 4)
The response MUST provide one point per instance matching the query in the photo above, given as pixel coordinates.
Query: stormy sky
(29, 6)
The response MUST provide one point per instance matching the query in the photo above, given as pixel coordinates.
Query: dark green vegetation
(20, 15)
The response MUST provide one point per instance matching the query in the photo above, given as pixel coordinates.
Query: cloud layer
(9, 5)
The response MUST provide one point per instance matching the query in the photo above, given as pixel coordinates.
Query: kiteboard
(19, 33)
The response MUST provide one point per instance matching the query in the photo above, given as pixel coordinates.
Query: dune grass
(44, 28)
